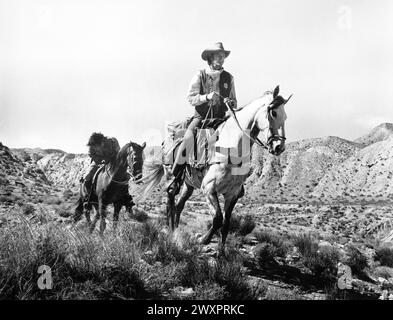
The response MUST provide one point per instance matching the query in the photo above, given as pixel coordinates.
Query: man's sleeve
(194, 97)
(232, 94)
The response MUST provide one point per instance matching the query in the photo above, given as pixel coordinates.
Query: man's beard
(216, 66)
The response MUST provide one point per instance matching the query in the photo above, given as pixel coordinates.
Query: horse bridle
(133, 162)
(134, 178)
(256, 139)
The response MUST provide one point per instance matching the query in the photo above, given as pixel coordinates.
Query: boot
(176, 175)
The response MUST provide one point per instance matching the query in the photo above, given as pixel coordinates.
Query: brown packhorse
(110, 185)
(228, 169)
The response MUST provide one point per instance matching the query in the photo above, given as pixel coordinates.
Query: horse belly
(221, 178)
(229, 184)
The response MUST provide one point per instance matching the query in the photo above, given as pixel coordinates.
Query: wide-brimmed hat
(217, 47)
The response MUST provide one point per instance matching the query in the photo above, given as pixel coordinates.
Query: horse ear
(143, 145)
(276, 91)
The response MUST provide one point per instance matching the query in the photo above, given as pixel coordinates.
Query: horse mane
(260, 97)
(122, 154)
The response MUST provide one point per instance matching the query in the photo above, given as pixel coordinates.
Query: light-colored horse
(230, 165)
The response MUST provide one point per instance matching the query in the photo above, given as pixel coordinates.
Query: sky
(69, 68)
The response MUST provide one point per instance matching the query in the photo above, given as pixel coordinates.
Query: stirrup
(86, 205)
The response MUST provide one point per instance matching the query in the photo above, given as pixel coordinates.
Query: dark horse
(110, 186)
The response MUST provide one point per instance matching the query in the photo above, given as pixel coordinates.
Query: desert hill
(309, 169)
(368, 174)
(20, 179)
(64, 169)
(299, 169)
(33, 154)
(380, 133)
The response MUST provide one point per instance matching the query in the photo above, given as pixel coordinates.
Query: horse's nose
(277, 147)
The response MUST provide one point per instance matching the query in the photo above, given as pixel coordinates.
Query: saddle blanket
(203, 149)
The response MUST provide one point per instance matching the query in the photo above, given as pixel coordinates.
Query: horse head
(135, 158)
(276, 116)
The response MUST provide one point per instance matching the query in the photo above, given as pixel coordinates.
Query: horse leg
(229, 204)
(185, 194)
(214, 205)
(170, 210)
(96, 218)
(117, 208)
(172, 191)
(87, 215)
(78, 210)
(102, 213)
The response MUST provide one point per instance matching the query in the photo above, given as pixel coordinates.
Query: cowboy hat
(217, 47)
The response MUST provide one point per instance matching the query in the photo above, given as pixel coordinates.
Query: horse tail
(155, 172)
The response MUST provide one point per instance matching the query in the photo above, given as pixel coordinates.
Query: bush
(266, 253)
(272, 244)
(384, 256)
(209, 291)
(239, 225)
(149, 234)
(306, 244)
(247, 225)
(228, 274)
(64, 212)
(322, 262)
(384, 272)
(51, 200)
(27, 209)
(274, 293)
(356, 260)
(139, 214)
(234, 224)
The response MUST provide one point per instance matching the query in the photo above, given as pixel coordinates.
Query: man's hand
(230, 102)
(213, 96)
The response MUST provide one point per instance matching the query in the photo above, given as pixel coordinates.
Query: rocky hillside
(380, 133)
(299, 169)
(309, 170)
(20, 179)
(368, 174)
(33, 154)
(64, 169)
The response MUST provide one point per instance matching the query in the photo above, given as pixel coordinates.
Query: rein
(256, 139)
(124, 182)
(115, 181)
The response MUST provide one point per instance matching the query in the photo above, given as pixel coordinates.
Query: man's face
(217, 60)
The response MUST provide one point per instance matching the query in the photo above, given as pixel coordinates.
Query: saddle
(90, 185)
(204, 141)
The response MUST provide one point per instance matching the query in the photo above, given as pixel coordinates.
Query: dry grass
(139, 261)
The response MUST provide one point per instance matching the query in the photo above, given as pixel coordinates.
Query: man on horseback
(102, 150)
(209, 92)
